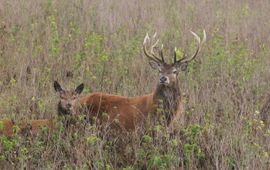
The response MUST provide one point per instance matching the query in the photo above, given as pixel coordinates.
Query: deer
(67, 105)
(130, 111)
(7, 126)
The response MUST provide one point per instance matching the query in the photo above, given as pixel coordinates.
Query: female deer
(68, 104)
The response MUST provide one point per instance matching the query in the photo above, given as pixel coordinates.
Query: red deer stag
(166, 96)
(67, 105)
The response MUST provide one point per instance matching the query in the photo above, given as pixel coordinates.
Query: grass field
(99, 42)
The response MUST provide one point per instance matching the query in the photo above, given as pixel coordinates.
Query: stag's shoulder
(103, 97)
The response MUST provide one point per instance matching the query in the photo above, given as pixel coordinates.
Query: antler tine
(145, 38)
(151, 55)
(204, 37)
(148, 55)
(155, 34)
(161, 53)
(198, 47)
(174, 56)
(152, 50)
(154, 46)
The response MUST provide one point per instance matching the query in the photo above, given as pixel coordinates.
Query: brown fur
(32, 126)
(7, 128)
(167, 100)
(128, 110)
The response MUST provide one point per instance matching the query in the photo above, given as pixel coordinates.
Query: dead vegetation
(100, 43)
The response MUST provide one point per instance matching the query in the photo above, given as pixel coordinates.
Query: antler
(200, 43)
(152, 55)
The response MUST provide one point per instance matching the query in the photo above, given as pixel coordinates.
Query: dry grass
(100, 43)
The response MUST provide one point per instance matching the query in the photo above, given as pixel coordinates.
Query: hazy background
(99, 42)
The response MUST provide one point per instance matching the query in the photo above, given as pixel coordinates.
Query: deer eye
(175, 72)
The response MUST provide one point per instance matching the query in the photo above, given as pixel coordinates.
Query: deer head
(168, 72)
(68, 99)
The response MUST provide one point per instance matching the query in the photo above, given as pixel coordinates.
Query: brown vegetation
(100, 43)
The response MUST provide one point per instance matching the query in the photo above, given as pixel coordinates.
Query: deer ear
(181, 66)
(155, 65)
(57, 86)
(79, 89)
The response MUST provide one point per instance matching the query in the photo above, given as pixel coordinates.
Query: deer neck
(166, 100)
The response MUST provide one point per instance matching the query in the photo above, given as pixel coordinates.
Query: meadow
(99, 43)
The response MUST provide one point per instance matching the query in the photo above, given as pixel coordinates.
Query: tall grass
(99, 42)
